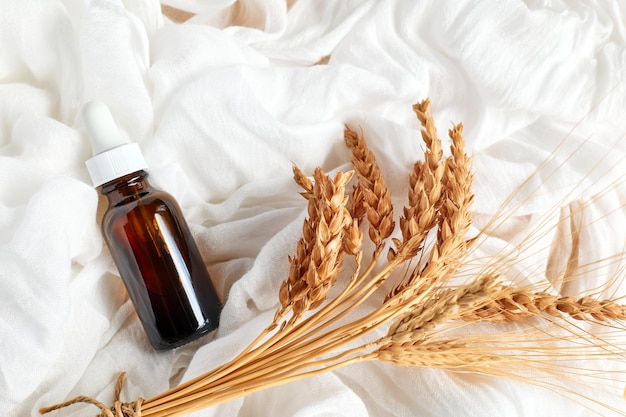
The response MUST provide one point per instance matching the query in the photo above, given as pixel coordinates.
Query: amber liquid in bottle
(159, 262)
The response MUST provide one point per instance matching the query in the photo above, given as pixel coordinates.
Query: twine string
(119, 408)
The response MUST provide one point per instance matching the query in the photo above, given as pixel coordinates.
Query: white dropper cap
(113, 156)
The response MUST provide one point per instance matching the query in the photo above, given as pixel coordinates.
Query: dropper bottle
(149, 240)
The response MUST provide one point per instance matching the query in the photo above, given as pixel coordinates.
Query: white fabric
(222, 106)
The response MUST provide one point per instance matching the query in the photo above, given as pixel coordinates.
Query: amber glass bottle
(149, 241)
(159, 262)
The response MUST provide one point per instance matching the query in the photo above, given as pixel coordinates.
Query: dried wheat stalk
(422, 308)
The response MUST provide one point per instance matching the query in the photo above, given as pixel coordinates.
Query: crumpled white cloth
(223, 105)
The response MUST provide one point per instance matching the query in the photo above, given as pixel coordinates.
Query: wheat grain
(356, 205)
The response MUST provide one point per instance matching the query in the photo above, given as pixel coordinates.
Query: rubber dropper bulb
(101, 127)
(114, 156)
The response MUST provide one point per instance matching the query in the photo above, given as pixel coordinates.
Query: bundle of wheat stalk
(418, 276)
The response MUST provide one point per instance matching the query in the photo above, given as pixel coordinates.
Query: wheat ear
(520, 304)
(320, 252)
(425, 189)
(453, 223)
(376, 195)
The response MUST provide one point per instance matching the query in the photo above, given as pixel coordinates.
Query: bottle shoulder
(144, 196)
(149, 202)
(153, 217)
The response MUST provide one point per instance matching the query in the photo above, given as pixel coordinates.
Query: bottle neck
(127, 188)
